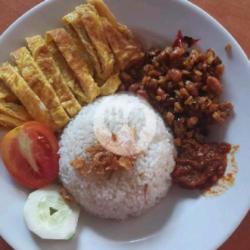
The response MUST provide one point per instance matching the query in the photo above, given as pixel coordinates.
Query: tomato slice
(30, 154)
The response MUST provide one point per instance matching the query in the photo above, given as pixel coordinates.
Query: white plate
(183, 220)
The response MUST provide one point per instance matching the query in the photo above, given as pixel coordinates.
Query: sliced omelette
(13, 115)
(6, 94)
(69, 50)
(67, 69)
(82, 50)
(126, 52)
(35, 107)
(93, 25)
(7, 121)
(66, 72)
(73, 24)
(126, 49)
(104, 11)
(14, 110)
(45, 61)
(39, 84)
(111, 85)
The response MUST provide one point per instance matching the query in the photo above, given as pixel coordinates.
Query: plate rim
(195, 8)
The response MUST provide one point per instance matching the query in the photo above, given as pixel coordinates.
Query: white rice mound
(126, 193)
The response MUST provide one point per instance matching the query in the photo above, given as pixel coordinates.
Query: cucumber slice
(49, 216)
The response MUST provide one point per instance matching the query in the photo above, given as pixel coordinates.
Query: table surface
(232, 14)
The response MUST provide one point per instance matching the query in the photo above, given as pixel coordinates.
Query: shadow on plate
(151, 39)
(218, 132)
(141, 227)
(130, 230)
(57, 244)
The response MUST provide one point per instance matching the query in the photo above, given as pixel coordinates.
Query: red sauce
(200, 165)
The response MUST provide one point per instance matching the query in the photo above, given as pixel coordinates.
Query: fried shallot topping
(65, 195)
(102, 162)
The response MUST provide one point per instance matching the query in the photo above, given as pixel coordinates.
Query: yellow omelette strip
(66, 72)
(126, 52)
(14, 110)
(94, 29)
(74, 25)
(45, 61)
(123, 43)
(9, 122)
(6, 94)
(80, 46)
(111, 85)
(39, 84)
(25, 94)
(69, 50)
(104, 11)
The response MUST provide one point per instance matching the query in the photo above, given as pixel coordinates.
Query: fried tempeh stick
(66, 72)
(25, 94)
(39, 84)
(68, 48)
(94, 29)
(45, 61)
